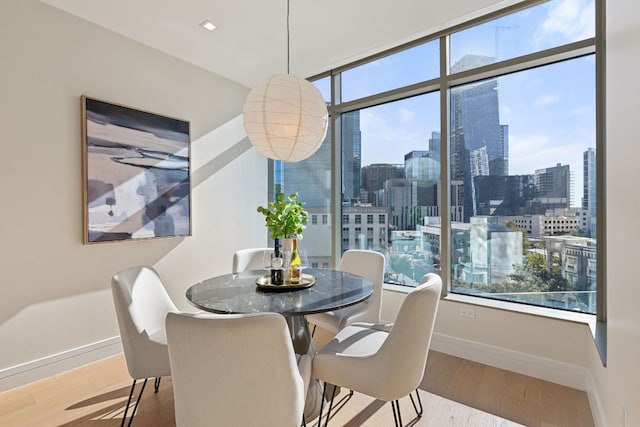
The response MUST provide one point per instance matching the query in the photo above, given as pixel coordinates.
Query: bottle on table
(276, 264)
(295, 264)
(276, 255)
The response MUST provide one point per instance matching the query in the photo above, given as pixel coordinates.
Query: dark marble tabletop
(238, 293)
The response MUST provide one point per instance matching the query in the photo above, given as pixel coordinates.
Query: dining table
(320, 290)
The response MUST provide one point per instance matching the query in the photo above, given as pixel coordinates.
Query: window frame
(594, 45)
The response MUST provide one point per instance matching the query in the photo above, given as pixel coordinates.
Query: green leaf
(285, 217)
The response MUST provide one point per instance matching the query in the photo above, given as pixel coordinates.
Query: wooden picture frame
(136, 174)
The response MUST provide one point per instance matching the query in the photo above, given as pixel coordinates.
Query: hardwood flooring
(519, 398)
(456, 393)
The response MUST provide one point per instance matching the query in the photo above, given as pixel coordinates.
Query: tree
(534, 275)
(535, 262)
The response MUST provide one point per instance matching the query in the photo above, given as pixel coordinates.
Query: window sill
(598, 329)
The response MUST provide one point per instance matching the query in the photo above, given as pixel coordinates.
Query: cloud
(545, 100)
(380, 126)
(567, 21)
(537, 151)
(405, 115)
(527, 153)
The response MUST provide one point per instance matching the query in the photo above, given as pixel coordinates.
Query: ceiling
(250, 41)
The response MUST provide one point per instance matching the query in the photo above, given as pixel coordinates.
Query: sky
(550, 110)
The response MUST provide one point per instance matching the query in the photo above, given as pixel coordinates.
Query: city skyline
(516, 162)
(550, 110)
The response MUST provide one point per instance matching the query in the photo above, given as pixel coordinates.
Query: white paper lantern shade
(285, 118)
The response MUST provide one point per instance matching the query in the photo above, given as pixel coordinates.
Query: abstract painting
(136, 173)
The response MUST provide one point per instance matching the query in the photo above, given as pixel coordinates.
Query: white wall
(618, 383)
(56, 299)
(550, 349)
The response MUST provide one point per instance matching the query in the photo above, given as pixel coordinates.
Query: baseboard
(595, 403)
(538, 367)
(522, 363)
(35, 370)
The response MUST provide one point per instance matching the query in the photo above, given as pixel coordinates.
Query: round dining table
(250, 292)
(239, 293)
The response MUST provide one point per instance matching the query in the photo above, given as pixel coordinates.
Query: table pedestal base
(302, 344)
(300, 335)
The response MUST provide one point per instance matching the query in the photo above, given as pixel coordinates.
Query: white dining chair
(236, 370)
(365, 263)
(142, 303)
(386, 362)
(248, 259)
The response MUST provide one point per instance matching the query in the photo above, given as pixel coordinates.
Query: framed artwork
(136, 174)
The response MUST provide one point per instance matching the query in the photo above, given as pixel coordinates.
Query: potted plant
(285, 217)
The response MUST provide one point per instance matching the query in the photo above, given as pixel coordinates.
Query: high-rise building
(553, 187)
(408, 201)
(589, 190)
(351, 156)
(311, 177)
(365, 227)
(422, 165)
(479, 143)
(434, 143)
(504, 195)
(500, 166)
(374, 176)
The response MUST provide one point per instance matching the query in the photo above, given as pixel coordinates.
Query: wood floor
(456, 393)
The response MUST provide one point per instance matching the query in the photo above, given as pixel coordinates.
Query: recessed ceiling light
(208, 25)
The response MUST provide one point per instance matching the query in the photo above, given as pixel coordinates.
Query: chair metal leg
(324, 393)
(395, 407)
(156, 384)
(397, 418)
(126, 409)
(333, 395)
(418, 412)
(324, 390)
(343, 401)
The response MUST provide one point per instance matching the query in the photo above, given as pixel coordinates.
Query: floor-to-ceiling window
(470, 153)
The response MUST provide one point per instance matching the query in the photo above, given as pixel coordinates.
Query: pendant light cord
(288, 60)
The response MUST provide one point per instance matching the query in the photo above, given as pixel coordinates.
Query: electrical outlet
(625, 414)
(468, 312)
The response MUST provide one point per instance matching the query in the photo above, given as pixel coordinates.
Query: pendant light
(285, 116)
